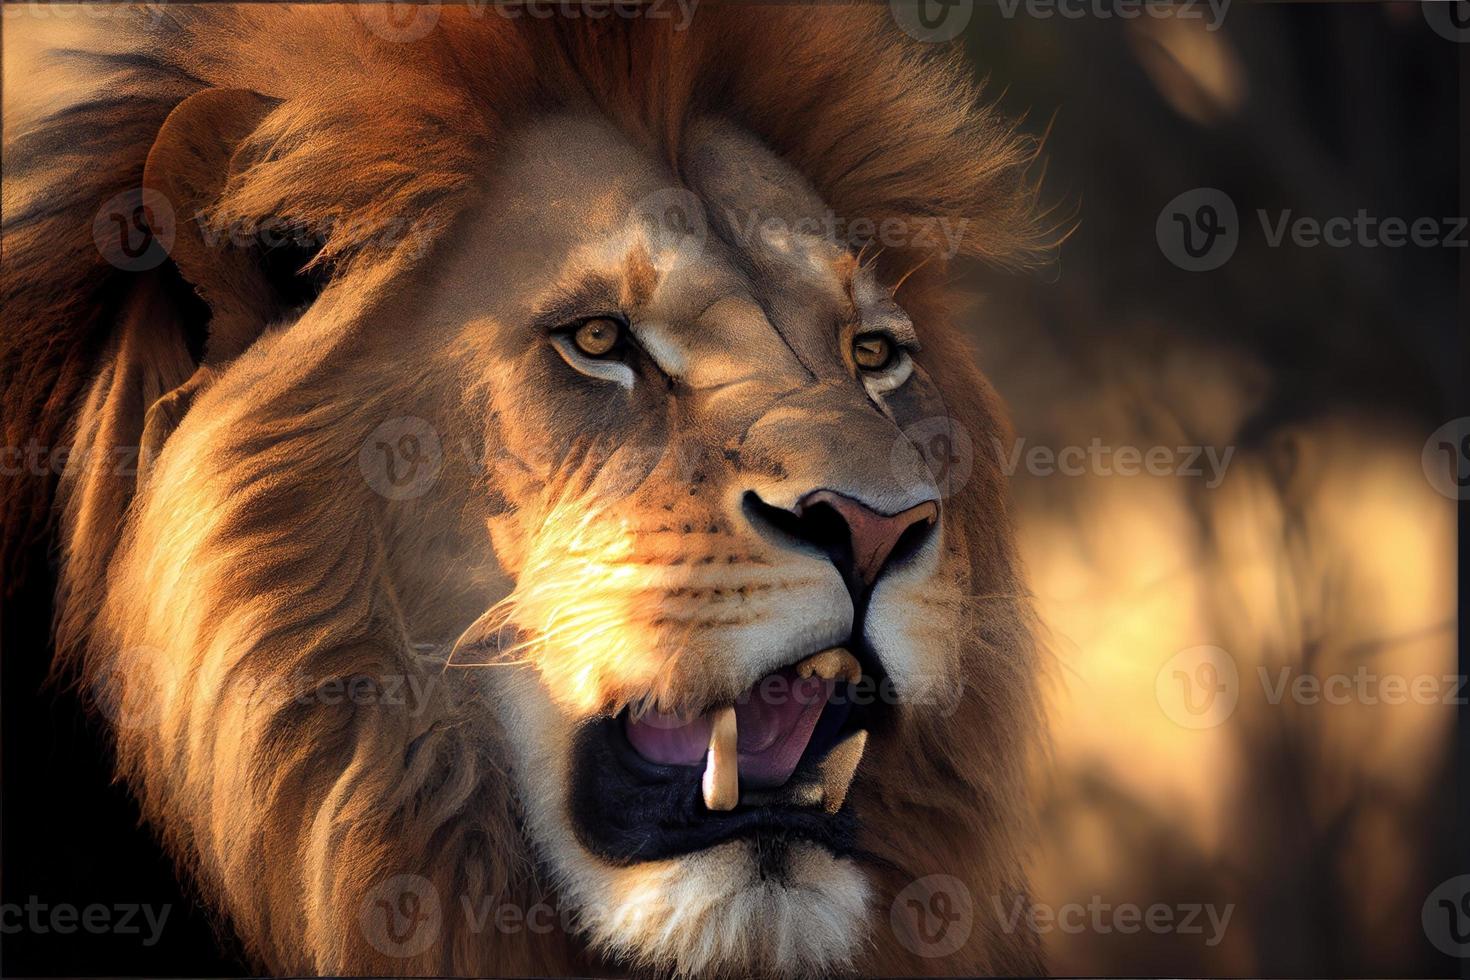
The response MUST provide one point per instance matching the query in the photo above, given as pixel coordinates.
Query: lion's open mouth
(776, 763)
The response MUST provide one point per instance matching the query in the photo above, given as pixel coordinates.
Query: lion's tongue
(763, 734)
(775, 726)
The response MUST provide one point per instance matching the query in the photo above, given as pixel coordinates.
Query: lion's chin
(767, 888)
(734, 909)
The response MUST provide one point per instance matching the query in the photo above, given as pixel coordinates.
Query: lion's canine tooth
(838, 768)
(833, 664)
(721, 782)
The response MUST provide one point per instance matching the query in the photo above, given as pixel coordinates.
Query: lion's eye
(872, 351)
(598, 337)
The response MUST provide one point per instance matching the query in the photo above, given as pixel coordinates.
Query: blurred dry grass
(1311, 819)
(1323, 550)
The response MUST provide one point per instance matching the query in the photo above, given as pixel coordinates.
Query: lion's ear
(194, 157)
(245, 282)
(177, 323)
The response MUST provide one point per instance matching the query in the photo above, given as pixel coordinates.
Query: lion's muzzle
(777, 762)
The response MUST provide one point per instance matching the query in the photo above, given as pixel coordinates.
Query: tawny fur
(289, 816)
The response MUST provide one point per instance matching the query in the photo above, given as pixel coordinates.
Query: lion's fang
(721, 783)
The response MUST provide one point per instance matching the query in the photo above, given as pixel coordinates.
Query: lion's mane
(288, 815)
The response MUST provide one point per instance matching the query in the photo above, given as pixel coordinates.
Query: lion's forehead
(743, 314)
(744, 276)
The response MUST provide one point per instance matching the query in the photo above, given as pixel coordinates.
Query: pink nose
(873, 536)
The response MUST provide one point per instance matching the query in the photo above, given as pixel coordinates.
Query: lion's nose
(873, 538)
(860, 540)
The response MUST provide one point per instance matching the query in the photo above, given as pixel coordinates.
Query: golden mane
(368, 131)
(365, 133)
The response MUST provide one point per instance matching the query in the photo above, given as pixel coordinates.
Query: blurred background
(1299, 521)
(1176, 603)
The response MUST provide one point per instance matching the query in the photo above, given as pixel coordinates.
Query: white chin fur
(714, 912)
(707, 912)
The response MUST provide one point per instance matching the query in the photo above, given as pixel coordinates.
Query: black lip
(625, 809)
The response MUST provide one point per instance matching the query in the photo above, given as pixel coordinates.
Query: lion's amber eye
(598, 337)
(872, 351)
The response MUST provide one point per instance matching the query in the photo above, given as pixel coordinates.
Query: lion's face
(595, 520)
(692, 409)
(655, 467)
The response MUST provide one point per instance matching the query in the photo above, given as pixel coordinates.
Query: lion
(537, 499)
